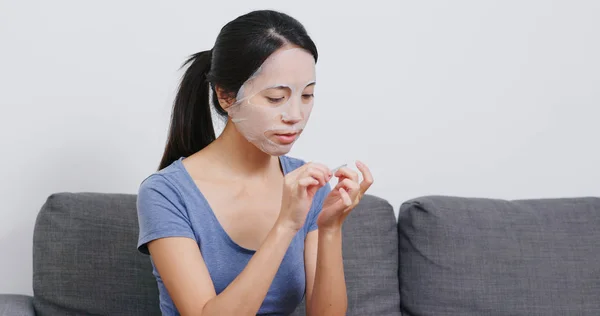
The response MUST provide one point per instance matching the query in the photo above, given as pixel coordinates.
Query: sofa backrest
(465, 257)
(86, 262)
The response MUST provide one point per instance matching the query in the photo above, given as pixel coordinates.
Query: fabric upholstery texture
(466, 257)
(85, 259)
(16, 305)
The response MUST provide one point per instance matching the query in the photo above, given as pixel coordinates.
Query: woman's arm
(190, 286)
(325, 283)
(324, 265)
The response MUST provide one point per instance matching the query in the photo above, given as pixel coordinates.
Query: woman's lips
(286, 138)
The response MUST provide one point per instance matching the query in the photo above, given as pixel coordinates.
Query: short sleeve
(316, 208)
(161, 212)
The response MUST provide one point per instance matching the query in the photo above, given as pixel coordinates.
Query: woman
(231, 223)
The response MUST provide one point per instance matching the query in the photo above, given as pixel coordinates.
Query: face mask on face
(274, 104)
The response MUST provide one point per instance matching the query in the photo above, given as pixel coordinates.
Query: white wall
(474, 98)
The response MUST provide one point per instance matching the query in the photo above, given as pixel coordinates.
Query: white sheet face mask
(274, 104)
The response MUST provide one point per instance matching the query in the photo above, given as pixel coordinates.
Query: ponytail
(191, 126)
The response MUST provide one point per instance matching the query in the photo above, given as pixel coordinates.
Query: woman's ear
(225, 98)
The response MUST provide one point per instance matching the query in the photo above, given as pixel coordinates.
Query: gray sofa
(445, 256)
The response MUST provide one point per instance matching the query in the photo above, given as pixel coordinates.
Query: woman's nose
(292, 114)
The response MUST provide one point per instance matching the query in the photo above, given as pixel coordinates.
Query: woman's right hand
(299, 188)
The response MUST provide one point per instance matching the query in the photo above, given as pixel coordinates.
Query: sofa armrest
(16, 305)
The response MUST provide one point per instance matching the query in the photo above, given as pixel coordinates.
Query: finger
(318, 174)
(349, 186)
(321, 168)
(315, 165)
(345, 197)
(345, 172)
(367, 177)
(306, 182)
(308, 186)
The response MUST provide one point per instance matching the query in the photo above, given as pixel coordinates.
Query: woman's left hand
(344, 196)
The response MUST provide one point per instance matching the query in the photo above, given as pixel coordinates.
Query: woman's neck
(233, 151)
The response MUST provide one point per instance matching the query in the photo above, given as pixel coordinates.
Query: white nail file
(336, 169)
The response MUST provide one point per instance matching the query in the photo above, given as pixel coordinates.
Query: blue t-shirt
(170, 204)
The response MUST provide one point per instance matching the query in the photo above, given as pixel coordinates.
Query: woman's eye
(275, 100)
(308, 96)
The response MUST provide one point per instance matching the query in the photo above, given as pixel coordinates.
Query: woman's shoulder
(163, 180)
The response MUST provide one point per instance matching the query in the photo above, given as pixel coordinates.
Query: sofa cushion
(85, 259)
(370, 251)
(16, 305)
(461, 256)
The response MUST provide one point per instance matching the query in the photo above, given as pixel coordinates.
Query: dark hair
(241, 47)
